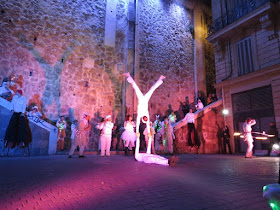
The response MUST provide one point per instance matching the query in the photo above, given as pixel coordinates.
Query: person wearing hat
(81, 138)
(61, 124)
(17, 131)
(106, 128)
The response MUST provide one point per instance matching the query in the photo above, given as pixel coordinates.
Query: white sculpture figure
(142, 111)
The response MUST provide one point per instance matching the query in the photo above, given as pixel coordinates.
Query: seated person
(199, 105)
(5, 91)
(35, 112)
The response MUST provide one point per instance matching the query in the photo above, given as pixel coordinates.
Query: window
(245, 58)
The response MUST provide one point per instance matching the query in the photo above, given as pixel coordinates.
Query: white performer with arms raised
(247, 128)
(142, 111)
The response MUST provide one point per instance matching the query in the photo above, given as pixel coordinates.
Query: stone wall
(167, 48)
(55, 51)
(208, 126)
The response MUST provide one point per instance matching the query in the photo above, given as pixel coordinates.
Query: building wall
(264, 33)
(63, 57)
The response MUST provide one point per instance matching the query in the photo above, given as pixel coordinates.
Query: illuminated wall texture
(56, 51)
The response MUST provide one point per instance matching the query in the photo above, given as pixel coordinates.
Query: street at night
(120, 182)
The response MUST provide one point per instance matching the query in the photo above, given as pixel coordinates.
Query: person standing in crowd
(209, 99)
(172, 118)
(191, 128)
(5, 91)
(106, 135)
(199, 105)
(272, 140)
(167, 136)
(248, 138)
(226, 139)
(213, 97)
(35, 112)
(152, 134)
(129, 136)
(73, 130)
(157, 128)
(201, 97)
(17, 130)
(81, 138)
(61, 124)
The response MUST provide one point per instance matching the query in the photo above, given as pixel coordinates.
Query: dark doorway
(257, 104)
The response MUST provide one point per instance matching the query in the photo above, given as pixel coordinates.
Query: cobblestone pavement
(119, 182)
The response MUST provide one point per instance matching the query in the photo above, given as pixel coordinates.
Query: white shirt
(189, 117)
(19, 104)
(106, 128)
(200, 105)
(73, 130)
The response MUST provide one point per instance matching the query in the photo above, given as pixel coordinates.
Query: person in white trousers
(142, 111)
(248, 138)
(106, 135)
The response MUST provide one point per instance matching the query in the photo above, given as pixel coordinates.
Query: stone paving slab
(120, 182)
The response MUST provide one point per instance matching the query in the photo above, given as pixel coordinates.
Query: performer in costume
(247, 128)
(17, 131)
(157, 128)
(167, 136)
(172, 118)
(61, 124)
(81, 136)
(129, 136)
(142, 111)
(146, 134)
(106, 135)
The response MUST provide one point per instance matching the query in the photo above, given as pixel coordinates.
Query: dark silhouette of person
(226, 139)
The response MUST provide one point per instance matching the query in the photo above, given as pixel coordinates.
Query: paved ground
(119, 182)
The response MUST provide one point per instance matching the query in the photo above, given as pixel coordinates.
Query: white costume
(199, 105)
(106, 136)
(142, 108)
(142, 111)
(248, 136)
(129, 136)
(73, 131)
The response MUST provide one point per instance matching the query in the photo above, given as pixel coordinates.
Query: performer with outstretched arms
(247, 128)
(142, 111)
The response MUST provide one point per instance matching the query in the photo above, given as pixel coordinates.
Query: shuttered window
(245, 58)
(253, 100)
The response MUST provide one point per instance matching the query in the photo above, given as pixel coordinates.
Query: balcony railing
(246, 7)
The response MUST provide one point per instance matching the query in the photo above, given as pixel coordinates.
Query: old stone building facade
(68, 57)
(247, 57)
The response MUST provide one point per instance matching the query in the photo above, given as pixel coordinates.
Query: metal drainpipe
(230, 61)
(195, 68)
(136, 53)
